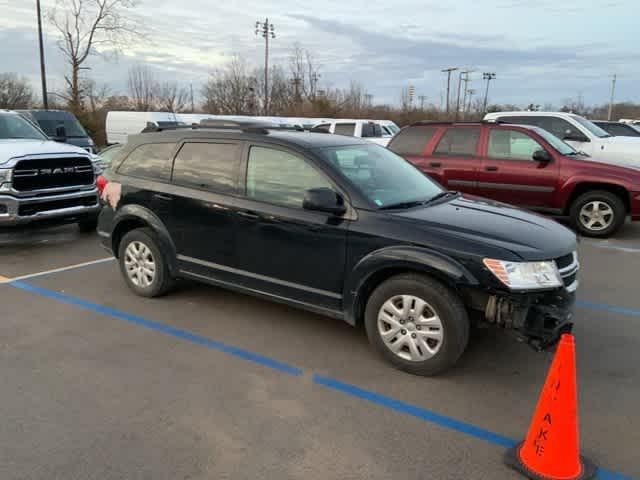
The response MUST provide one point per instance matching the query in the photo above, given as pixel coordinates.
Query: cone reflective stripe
(551, 448)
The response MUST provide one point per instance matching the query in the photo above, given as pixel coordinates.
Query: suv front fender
(129, 217)
(379, 265)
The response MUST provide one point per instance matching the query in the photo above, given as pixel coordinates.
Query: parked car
(368, 129)
(630, 121)
(42, 180)
(580, 133)
(617, 129)
(524, 166)
(119, 125)
(341, 227)
(61, 126)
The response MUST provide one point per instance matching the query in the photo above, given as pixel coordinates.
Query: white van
(580, 133)
(120, 125)
(367, 129)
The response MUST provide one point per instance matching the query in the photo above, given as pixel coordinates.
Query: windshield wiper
(444, 194)
(403, 205)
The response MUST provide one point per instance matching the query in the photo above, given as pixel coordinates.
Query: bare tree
(305, 74)
(171, 97)
(231, 90)
(15, 92)
(89, 27)
(282, 94)
(143, 88)
(97, 95)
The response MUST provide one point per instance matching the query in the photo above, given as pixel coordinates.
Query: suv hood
(619, 151)
(498, 225)
(18, 147)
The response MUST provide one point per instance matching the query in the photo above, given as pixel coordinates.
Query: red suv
(525, 166)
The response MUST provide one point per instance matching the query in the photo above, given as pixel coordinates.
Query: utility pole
(462, 74)
(193, 104)
(466, 81)
(488, 76)
(613, 92)
(368, 98)
(43, 76)
(448, 72)
(412, 91)
(471, 92)
(266, 30)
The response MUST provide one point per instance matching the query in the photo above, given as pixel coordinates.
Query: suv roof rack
(216, 124)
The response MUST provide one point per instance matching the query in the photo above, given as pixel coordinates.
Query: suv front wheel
(143, 265)
(597, 214)
(417, 324)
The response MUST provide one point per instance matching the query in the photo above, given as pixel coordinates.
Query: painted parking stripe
(426, 415)
(175, 332)
(62, 269)
(631, 312)
(612, 246)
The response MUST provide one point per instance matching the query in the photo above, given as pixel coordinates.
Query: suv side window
(412, 140)
(511, 145)
(212, 166)
(278, 177)
(151, 161)
(554, 125)
(459, 142)
(348, 129)
(371, 130)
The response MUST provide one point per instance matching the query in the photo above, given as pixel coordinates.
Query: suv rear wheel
(417, 324)
(597, 214)
(143, 265)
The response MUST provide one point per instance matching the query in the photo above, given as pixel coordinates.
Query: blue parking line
(631, 312)
(336, 385)
(175, 332)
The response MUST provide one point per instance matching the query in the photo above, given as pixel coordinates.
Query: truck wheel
(597, 214)
(142, 264)
(417, 324)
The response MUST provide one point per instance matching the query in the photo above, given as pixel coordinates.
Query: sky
(542, 51)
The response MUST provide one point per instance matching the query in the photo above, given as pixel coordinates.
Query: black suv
(339, 226)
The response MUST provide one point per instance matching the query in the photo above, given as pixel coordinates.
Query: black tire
(441, 299)
(162, 280)
(611, 200)
(88, 225)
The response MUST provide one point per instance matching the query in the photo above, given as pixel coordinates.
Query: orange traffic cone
(551, 449)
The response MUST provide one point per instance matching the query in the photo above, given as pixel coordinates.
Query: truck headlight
(525, 275)
(5, 175)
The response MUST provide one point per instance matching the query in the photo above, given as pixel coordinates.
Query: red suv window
(412, 140)
(459, 141)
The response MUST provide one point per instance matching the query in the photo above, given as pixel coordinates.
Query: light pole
(266, 30)
(448, 72)
(464, 73)
(613, 92)
(43, 76)
(471, 93)
(488, 76)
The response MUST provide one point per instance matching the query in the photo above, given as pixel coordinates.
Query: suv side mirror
(541, 156)
(61, 134)
(324, 200)
(574, 136)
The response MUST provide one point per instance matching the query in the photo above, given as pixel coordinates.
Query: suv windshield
(592, 127)
(562, 147)
(381, 175)
(49, 123)
(14, 126)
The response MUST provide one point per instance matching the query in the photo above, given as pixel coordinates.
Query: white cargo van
(120, 125)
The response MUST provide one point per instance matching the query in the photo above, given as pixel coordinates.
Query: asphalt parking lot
(206, 384)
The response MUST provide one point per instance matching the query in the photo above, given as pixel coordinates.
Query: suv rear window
(412, 140)
(151, 161)
(212, 166)
(459, 141)
(348, 129)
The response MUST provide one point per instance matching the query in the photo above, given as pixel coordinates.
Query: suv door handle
(161, 196)
(491, 168)
(435, 164)
(250, 215)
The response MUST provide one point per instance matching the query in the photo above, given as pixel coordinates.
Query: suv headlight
(525, 275)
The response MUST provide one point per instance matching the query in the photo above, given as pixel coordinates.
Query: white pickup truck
(42, 180)
(580, 133)
(367, 129)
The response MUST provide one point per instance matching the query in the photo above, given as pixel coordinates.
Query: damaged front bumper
(538, 319)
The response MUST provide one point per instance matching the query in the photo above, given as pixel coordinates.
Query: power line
(266, 30)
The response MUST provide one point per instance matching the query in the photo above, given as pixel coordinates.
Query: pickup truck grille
(41, 174)
(568, 266)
